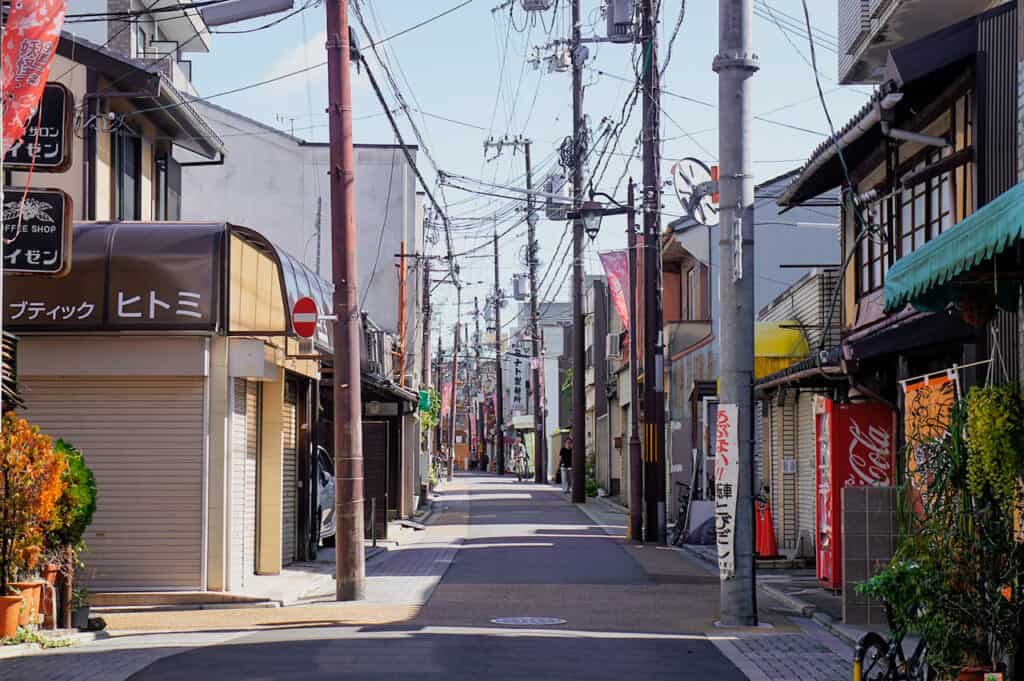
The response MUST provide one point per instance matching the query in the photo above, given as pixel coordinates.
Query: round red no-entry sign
(304, 317)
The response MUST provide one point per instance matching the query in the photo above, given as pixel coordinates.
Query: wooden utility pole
(654, 358)
(579, 369)
(427, 360)
(455, 381)
(350, 569)
(499, 402)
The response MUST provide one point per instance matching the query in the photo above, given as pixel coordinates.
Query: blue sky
(471, 66)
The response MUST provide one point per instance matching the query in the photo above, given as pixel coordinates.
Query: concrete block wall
(869, 542)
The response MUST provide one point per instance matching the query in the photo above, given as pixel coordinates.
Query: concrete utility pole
(499, 402)
(735, 64)
(579, 370)
(455, 380)
(350, 569)
(654, 389)
(477, 377)
(636, 465)
(540, 442)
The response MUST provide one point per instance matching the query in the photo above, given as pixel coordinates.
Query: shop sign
(727, 477)
(37, 231)
(928, 405)
(46, 141)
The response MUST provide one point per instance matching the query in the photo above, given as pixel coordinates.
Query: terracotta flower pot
(972, 674)
(10, 613)
(50, 573)
(32, 595)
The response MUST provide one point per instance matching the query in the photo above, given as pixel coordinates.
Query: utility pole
(540, 459)
(317, 228)
(636, 466)
(455, 381)
(579, 371)
(427, 360)
(478, 379)
(350, 569)
(735, 64)
(499, 402)
(654, 389)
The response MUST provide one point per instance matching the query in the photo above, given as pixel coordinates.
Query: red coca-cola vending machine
(856, 447)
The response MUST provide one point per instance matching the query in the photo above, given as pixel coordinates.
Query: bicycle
(877, 658)
(680, 529)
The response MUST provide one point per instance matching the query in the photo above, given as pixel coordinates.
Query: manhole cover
(528, 621)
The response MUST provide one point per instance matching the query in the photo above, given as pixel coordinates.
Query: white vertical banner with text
(727, 476)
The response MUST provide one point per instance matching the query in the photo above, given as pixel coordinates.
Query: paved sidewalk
(767, 655)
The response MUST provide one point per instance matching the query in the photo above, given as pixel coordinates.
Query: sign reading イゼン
(37, 231)
(727, 476)
(46, 146)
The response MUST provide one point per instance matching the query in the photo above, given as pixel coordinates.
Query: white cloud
(300, 57)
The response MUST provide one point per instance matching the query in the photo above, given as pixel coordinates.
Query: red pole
(350, 570)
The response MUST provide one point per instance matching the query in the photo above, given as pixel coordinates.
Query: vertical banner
(616, 266)
(727, 477)
(927, 408)
(29, 44)
(446, 398)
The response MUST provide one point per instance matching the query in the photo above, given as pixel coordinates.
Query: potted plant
(80, 608)
(31, 481)
(75, 509)
(957, 532)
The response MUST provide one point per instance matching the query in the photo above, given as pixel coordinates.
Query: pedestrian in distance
(519, 458)
(565, 464)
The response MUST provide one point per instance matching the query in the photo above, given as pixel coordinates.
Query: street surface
(494, 549)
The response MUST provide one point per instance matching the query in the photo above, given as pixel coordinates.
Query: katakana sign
(46, 141)
(37, 231)
(727, 477)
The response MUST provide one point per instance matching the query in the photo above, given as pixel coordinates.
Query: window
(692, 297)
(127, 153)
(905, 219)
(141, 40)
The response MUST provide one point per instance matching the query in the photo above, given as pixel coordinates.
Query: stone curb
(77, 638)
(803, 607)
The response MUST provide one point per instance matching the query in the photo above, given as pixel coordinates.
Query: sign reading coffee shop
(37, 231)
(47, 136)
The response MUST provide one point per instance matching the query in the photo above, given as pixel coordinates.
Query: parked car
(325, 497)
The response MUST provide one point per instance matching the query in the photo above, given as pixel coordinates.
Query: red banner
(29, 44)
(616, 266)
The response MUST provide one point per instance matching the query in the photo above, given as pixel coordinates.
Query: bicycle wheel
(872, 659)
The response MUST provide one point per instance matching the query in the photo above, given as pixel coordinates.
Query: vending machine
(855, 447)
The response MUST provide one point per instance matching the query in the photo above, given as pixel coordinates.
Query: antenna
(696, 188)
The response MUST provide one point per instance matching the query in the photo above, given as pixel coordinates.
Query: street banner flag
(446, 398)
(29, 44)
(616, 266)
(727, 478)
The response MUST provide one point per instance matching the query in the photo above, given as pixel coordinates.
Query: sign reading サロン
(727, 476)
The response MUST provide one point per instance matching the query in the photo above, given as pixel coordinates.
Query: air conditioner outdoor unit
(612, 346)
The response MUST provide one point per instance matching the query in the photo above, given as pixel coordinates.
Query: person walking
(519, 459)
(565, 463)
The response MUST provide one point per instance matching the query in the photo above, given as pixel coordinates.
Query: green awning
(927, 276)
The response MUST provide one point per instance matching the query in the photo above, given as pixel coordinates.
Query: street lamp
(591, 212)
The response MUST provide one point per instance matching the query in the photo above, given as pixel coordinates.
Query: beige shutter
(289, 462)
(143, 440)
(244, 441)
(807, 472)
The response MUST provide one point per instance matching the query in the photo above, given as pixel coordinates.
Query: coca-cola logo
(870, 456)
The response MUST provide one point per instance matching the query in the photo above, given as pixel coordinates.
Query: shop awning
(169, 277)
(927, 278)
(777, 345)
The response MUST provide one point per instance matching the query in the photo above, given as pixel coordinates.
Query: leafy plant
(591, 487)
(31, 482)
(76, 506)
(26, 635)
(995, 433)
(430, 418)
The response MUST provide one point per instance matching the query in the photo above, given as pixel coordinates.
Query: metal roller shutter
(244, 441)
(289, 463)
(143, 440)
(806, 466)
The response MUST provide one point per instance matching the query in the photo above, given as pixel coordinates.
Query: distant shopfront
(168, 358)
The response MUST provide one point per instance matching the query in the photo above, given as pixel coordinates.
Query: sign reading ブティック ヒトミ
(37, 231)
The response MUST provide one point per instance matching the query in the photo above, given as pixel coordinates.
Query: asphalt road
(522, 551)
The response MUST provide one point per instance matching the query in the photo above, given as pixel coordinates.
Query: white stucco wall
(271, 182)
